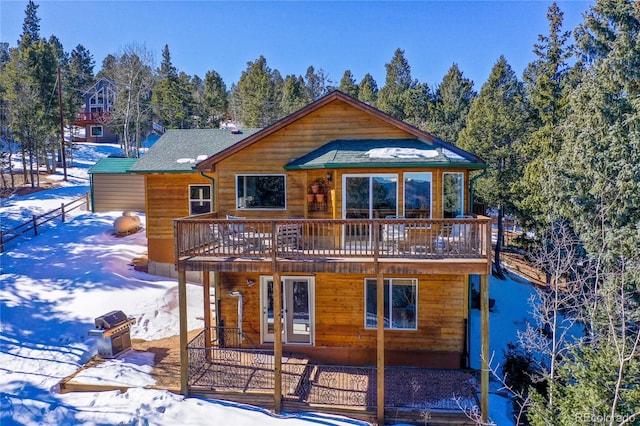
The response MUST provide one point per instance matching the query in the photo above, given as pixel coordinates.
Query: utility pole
(64, 155)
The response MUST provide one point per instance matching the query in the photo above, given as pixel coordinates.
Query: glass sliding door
(367, 197)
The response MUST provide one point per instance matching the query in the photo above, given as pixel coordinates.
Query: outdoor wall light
(250, 282)
(329, 176)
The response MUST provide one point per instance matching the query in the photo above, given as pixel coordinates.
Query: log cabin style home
(363, 223)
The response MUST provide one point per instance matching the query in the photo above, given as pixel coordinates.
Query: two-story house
(335, 248)
(95, 114)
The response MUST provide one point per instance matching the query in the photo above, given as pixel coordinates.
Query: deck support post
(184, 355)
(206, 296)
(380, 347)
(277, 343)
(484, 347)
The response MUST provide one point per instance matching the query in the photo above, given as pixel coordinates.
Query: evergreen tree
(215, 103)
(451, 105)
(318, 83)
(418, 106)
(294, 94)
(348, 84)
(30, 26)
(254, 96)
(496, 126)
(170, 96)
(368, 90)
(393, 98)
(546, 83)
(596, 185)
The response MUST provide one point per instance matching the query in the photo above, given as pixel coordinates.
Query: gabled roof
(310, 108)
(367, 153)
(113, 166)
(179, 150)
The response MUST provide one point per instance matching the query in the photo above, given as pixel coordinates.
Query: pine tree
(496, 126)
(348, 84)
(368, 90)
(171, 95)
(30, 26)
(392, 98)
(254, 97)
(215, 102)
(546, 83)
(294, 94)
(451, 105)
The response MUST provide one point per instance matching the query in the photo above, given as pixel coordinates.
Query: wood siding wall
(339, 313)
(118, 193)
(167, 198)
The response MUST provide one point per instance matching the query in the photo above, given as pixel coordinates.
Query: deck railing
(467, 238)
(231, 370)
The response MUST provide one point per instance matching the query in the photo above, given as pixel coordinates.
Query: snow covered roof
(367, 153)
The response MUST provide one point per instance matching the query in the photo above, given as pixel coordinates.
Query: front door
(297, 305)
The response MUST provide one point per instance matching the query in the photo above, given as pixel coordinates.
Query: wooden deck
(396, 246)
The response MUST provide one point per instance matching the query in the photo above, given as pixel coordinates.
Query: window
(400, 303)
(260, 192)
(199, 199)
(417, 195)
(370, 196)
(96, 131)
(452, 194)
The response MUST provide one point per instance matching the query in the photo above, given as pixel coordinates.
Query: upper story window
(261, 192)
(400, 303)
(452, 194)
(417, 195)
(200, 199)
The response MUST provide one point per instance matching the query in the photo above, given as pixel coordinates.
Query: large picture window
(199, 199)
(452, 194)
(417, 195)
(400, 303)
(260, 192)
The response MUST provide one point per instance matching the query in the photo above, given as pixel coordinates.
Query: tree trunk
(497, 265)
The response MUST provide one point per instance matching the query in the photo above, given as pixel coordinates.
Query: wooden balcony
(99, 117)
(396, 246)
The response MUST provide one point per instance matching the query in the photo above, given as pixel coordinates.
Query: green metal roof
(113, 166)
(367, 153)
(180, 150)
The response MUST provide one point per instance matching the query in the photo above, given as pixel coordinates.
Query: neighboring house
(95, 114)
(361, 219)
(114, 187)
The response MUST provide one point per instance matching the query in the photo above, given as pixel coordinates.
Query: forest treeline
(562, 142)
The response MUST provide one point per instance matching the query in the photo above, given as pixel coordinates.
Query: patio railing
(229, 370)
(299, 238)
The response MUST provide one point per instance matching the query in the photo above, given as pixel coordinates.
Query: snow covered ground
(55, 284)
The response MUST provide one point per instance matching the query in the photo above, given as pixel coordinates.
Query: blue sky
(334, 36)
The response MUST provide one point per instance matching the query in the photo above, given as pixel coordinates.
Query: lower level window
(400, 303)
(97, 131)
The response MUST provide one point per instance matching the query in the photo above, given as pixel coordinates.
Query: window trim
(389, 282)
(101, 135)
(191, 213)
(283, 175)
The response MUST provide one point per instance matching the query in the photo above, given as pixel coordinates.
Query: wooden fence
(38, 220)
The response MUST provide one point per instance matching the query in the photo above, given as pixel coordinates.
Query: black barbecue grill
(113, 333)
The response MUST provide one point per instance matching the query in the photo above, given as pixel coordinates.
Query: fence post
(62, 208)
(86, 196)
(35, 225)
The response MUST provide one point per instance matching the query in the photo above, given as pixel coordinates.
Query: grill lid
(110, 320)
